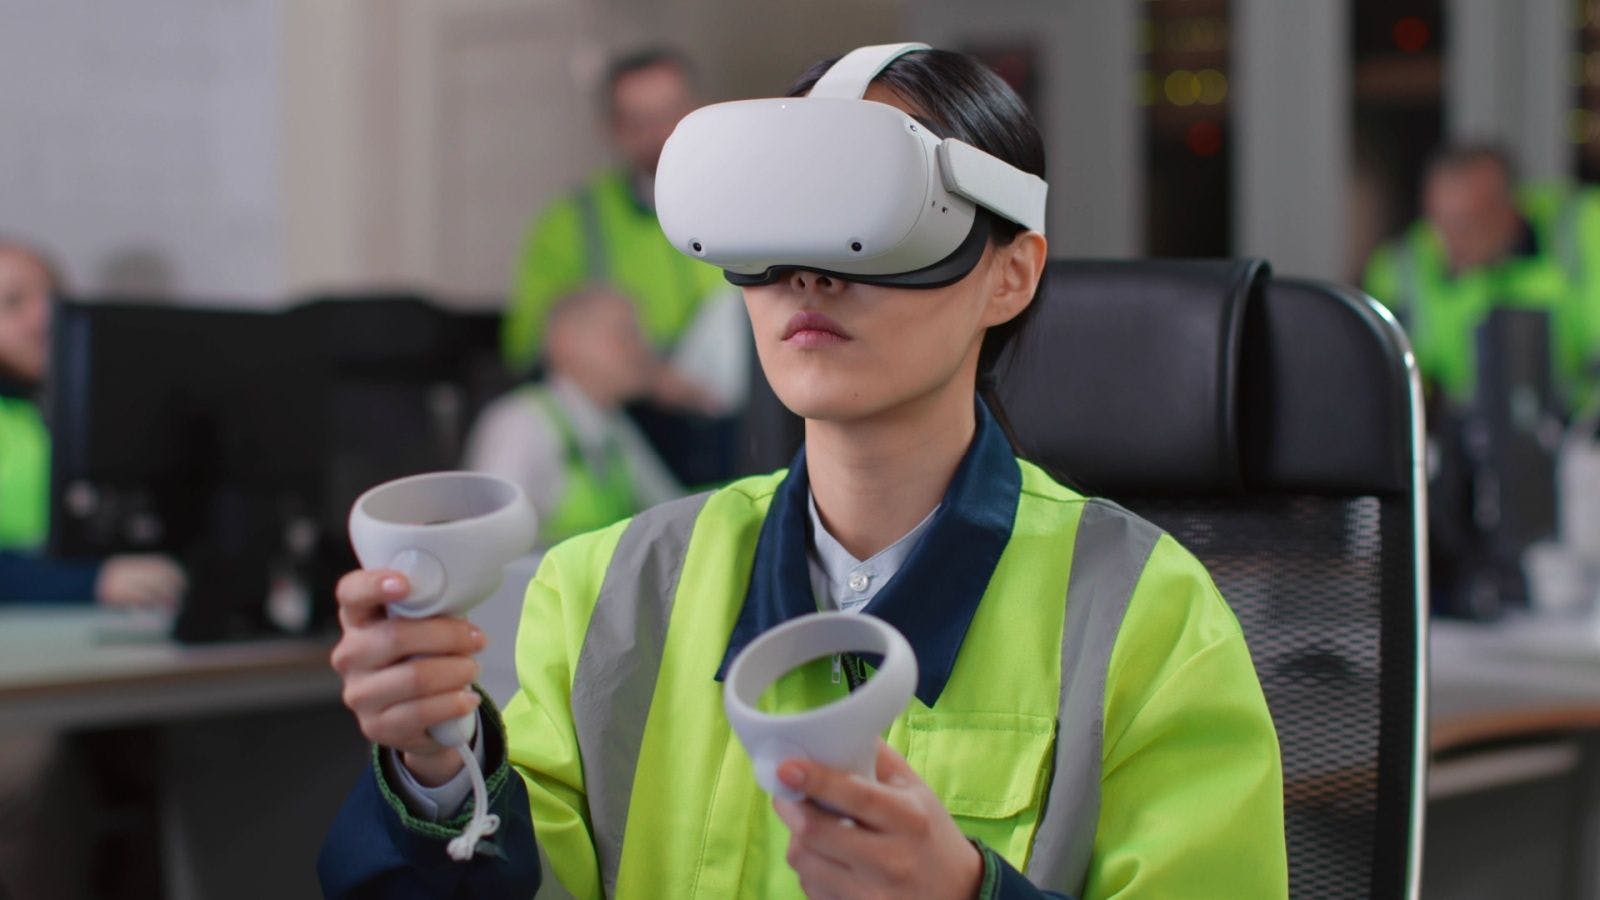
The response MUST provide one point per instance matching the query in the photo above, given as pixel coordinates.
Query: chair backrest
(1274, 428)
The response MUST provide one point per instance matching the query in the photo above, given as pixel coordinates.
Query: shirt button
(859, 581)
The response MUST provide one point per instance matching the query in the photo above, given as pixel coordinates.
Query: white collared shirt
(515, 439)
(838, 579)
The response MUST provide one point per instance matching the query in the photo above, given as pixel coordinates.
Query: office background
(249, 150)
(246, 153)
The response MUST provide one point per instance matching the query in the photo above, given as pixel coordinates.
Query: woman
(1153, 772)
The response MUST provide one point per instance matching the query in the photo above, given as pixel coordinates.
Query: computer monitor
(1517, 406)
(236, 440)
(1492, 489)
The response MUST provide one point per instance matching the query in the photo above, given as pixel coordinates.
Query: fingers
(404, 726)
(420, 677)
(820, 876)
(872, 805)
(388, 641)
(823, 880)
(892, 768)
(364, 593)
(816, 830)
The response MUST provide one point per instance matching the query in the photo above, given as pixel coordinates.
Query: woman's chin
(828, 402)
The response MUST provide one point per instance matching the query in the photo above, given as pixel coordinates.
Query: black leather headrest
(1197, 377)
(1127, 378)
(1327, 395)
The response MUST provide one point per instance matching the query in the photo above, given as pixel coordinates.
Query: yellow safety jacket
(1086, 708)
(602, 233)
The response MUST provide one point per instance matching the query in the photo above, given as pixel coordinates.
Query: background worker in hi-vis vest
(565, 440)
(1482, 244)
(605, 233)
(1086, 718)
(28, 284)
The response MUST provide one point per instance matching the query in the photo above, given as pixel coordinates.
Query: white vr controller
(843, 734)
(451, 535)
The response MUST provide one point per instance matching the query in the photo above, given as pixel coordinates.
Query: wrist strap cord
(483, 823)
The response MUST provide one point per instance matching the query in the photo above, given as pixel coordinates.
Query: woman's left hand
(895, 838)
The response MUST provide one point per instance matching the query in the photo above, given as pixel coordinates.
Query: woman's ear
(1017, 268)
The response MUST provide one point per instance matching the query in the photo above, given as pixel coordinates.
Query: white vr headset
(835, 184)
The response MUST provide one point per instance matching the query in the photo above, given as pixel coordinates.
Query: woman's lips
(813, 329)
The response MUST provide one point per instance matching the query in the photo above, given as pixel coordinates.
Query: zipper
(852, 671)
(849, 666)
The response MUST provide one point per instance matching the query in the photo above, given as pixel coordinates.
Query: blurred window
(1185, 92)
(1397, 55)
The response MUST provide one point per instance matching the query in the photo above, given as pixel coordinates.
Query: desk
(1490, 682)
(1514, 789)
(70, 668)
(254, 752)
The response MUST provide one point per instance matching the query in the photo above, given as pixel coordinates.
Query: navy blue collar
(934, 596)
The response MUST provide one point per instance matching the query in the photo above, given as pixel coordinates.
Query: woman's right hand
(403, 675)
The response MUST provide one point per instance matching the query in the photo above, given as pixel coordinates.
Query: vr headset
(835, 184)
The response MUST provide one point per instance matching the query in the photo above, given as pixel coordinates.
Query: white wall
(262, 148)
(421, 136)
(1292, 109)
(1508, 79)
(141, 142)
(252, 150)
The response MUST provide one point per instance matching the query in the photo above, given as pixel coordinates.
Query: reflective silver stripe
(1567, 245)
(1112, 548)
(616, 673)
(596, 263)
(1410, 304)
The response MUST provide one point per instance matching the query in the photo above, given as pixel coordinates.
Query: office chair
(1274, 428)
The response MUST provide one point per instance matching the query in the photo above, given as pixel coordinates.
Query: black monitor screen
(236, 440)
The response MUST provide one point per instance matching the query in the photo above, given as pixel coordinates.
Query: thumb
(892, 768)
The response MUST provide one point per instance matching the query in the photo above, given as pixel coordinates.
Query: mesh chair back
(1271, 428)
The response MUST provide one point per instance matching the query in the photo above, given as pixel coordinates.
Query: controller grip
(456, 732)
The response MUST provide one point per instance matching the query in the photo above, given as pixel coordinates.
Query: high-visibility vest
(1442, 311)
(596, 492)
(24, 475)
(602, 233)
(1097, 722)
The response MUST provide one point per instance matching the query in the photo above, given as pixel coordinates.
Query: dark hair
(638, 60)
(957, 96)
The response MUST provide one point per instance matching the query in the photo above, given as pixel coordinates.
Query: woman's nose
(803, 280)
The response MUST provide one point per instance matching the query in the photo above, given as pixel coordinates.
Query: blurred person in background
(28, 286)
(1482, 244)
(565, 440)
(43, 794)
(606, 232)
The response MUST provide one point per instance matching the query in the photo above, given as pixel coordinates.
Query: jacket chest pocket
(990, 770)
